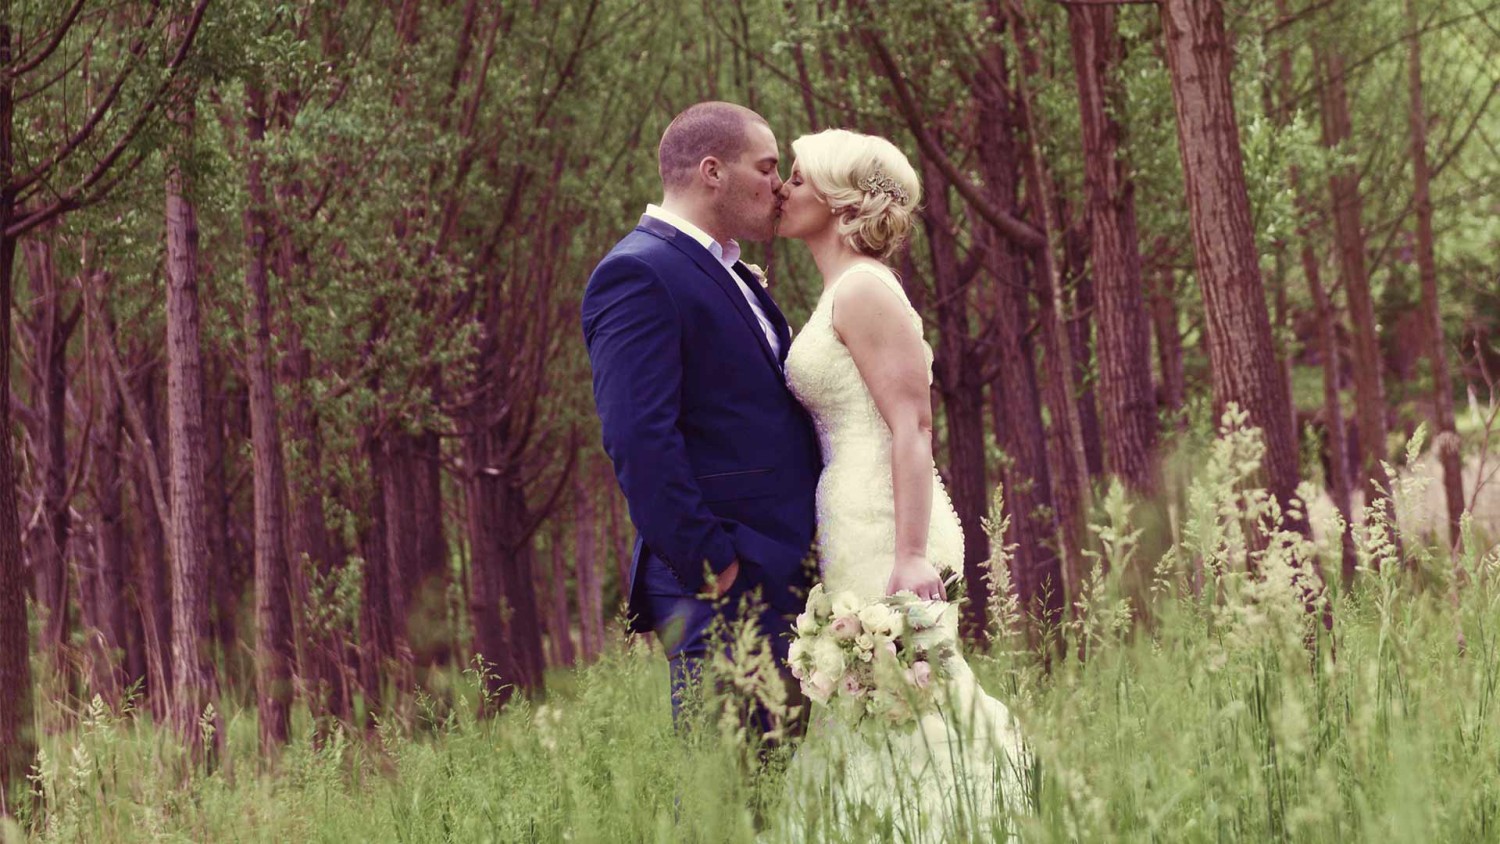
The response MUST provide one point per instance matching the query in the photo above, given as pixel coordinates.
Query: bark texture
(1447, 441)
(194, 684)
(1123, 340)
(1241, 351)
(273, 611)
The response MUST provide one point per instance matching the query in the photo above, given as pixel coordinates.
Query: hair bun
(868, 181)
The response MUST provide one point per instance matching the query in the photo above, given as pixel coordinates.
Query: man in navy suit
(717, 460)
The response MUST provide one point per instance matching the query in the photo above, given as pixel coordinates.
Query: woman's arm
(887, 349)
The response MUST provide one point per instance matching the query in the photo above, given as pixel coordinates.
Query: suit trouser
(683, 625)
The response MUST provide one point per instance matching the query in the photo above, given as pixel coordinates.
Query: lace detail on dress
(962, 768)
(855, 499)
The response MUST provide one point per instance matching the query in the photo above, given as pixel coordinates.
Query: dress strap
(886, 275)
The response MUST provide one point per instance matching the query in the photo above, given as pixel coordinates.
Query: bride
(885, 523)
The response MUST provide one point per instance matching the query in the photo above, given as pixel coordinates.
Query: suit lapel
(768, 305)
(715, 271)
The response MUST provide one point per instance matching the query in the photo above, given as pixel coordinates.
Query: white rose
(845, 603)
(827, 658)
(796, 652)
(818, 602)
(806, 624)
(880, 618)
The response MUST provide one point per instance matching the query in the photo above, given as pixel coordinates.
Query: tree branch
(57, 38)
(74, 196)
(1021, 233)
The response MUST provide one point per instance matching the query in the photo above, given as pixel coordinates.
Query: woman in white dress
(885, 523)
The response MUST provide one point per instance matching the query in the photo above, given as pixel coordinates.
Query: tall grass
(1226, 712)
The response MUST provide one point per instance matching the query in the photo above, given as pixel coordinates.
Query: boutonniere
(760, 274)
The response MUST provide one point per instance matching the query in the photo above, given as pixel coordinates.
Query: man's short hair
(715, 129)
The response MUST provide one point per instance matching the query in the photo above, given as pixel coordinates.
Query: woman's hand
(916, 575)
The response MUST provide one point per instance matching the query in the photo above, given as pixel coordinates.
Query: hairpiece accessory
(879, 182)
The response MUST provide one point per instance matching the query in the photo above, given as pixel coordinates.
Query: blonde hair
(867, 181)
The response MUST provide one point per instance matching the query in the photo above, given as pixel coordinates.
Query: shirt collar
(725, 253)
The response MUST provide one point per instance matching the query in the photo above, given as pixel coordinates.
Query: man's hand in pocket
(717, 586)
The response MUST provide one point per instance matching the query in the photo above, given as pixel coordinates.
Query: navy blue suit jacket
(717, 460)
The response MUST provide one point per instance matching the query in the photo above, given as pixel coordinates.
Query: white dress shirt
(727, 255)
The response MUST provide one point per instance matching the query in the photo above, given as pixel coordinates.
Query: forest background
(299, 411)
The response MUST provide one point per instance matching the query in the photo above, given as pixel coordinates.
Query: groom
(717, 460)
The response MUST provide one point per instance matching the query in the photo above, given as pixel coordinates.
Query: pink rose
(819, 686)
(852, 687)
(845, 627)
(891, 646)
(920, 674)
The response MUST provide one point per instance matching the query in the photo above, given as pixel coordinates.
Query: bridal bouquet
(881, 659)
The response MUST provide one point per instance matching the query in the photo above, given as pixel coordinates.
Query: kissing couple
(735, 445)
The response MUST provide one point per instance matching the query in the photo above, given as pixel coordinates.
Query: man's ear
(711, 171)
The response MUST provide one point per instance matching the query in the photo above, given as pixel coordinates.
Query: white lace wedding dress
(952, 775)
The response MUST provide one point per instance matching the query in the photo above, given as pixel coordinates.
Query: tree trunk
(152, 595)
(377, 633)
(1037, 572)
(313, 566)
(961, 385)
(117, 660)
(418, 552)
(1333, 412)
(228, 570)
(273, 611)
(1168, 341)
(51, 568)
(502, 604)
(1123, 340)
(621, 540)
(1070, 483)
(586, 566)
(195, 686)
(560, 623)
(1348, 213)
(17, 726)
(1241, 351)
(428, 587)
(487, 614)
(1081, 337)
(328, 654)
(401, 530)
(1446, 442)
(1328, 321)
